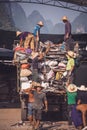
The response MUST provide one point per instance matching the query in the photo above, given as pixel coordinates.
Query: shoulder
(43, 94)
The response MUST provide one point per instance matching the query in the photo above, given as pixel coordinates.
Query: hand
(67, 36)
(46, 109)
(69, 73)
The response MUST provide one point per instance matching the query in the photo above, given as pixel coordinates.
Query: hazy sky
(49, 12)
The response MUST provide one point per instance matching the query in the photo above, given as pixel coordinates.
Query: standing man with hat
(36, 34)
(67, 28)
(67, 35)
(71, 91)
(39, 104)
(70, 67)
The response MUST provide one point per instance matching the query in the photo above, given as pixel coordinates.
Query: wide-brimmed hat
(40, 23)
(82, 87)
(71, 54)
(72, 88)
(18, 33)
(35, 83)
(64, 18)
(38, 87)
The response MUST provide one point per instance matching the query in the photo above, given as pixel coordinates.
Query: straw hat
(40, 23)
(72, 88)
(82, 87)
(71, 54)
(64, 18)
(18, 33)
(39, 87)
(36, 85)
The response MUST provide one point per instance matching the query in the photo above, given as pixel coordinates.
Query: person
(34, 64)
(22, 36)
(71, 92)
(29, 42)
(36, 57)
(77, 118)
(67, 36)
(70, 67)
(36, 34)
(82, 102)
(40, 103)
(31, 100)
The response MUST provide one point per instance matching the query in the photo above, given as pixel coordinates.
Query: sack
(23, 79)
(57, 76)
(25, 66)
(25, 85)
(28, 51)
(20, 56)
(25, 72)
(35, 83)
(24, 61)
(22, 49)
(50, 74)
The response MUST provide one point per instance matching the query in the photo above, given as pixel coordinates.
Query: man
(70, 67)
(71, 91)
(37, 101)
(26, 39)
(82, 103)
(39, 104)
(67, 35)
(36, 57)
(31, 100)
(36, 34)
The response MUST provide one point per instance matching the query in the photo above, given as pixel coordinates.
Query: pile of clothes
(51, 68)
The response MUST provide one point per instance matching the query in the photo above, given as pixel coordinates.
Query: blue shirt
(36, 29)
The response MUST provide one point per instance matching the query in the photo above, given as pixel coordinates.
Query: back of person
(72, 97)
(82, 95)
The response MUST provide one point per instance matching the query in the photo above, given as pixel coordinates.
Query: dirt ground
(10, 116)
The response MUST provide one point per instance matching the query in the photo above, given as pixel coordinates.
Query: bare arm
(46, 105)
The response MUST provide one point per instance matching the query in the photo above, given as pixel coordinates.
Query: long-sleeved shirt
(67, 28)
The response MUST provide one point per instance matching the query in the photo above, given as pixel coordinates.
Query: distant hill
(19, 17)
(49, 26)
(13, 18)
(79, 25)
(6, 21)
(58, 29)
(33, 19)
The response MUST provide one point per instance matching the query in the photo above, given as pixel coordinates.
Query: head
(38, 88)
(72, 88)
(70, 54)
(64, 19)
(40, 23)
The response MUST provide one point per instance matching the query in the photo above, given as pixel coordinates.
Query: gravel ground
(11, 116)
